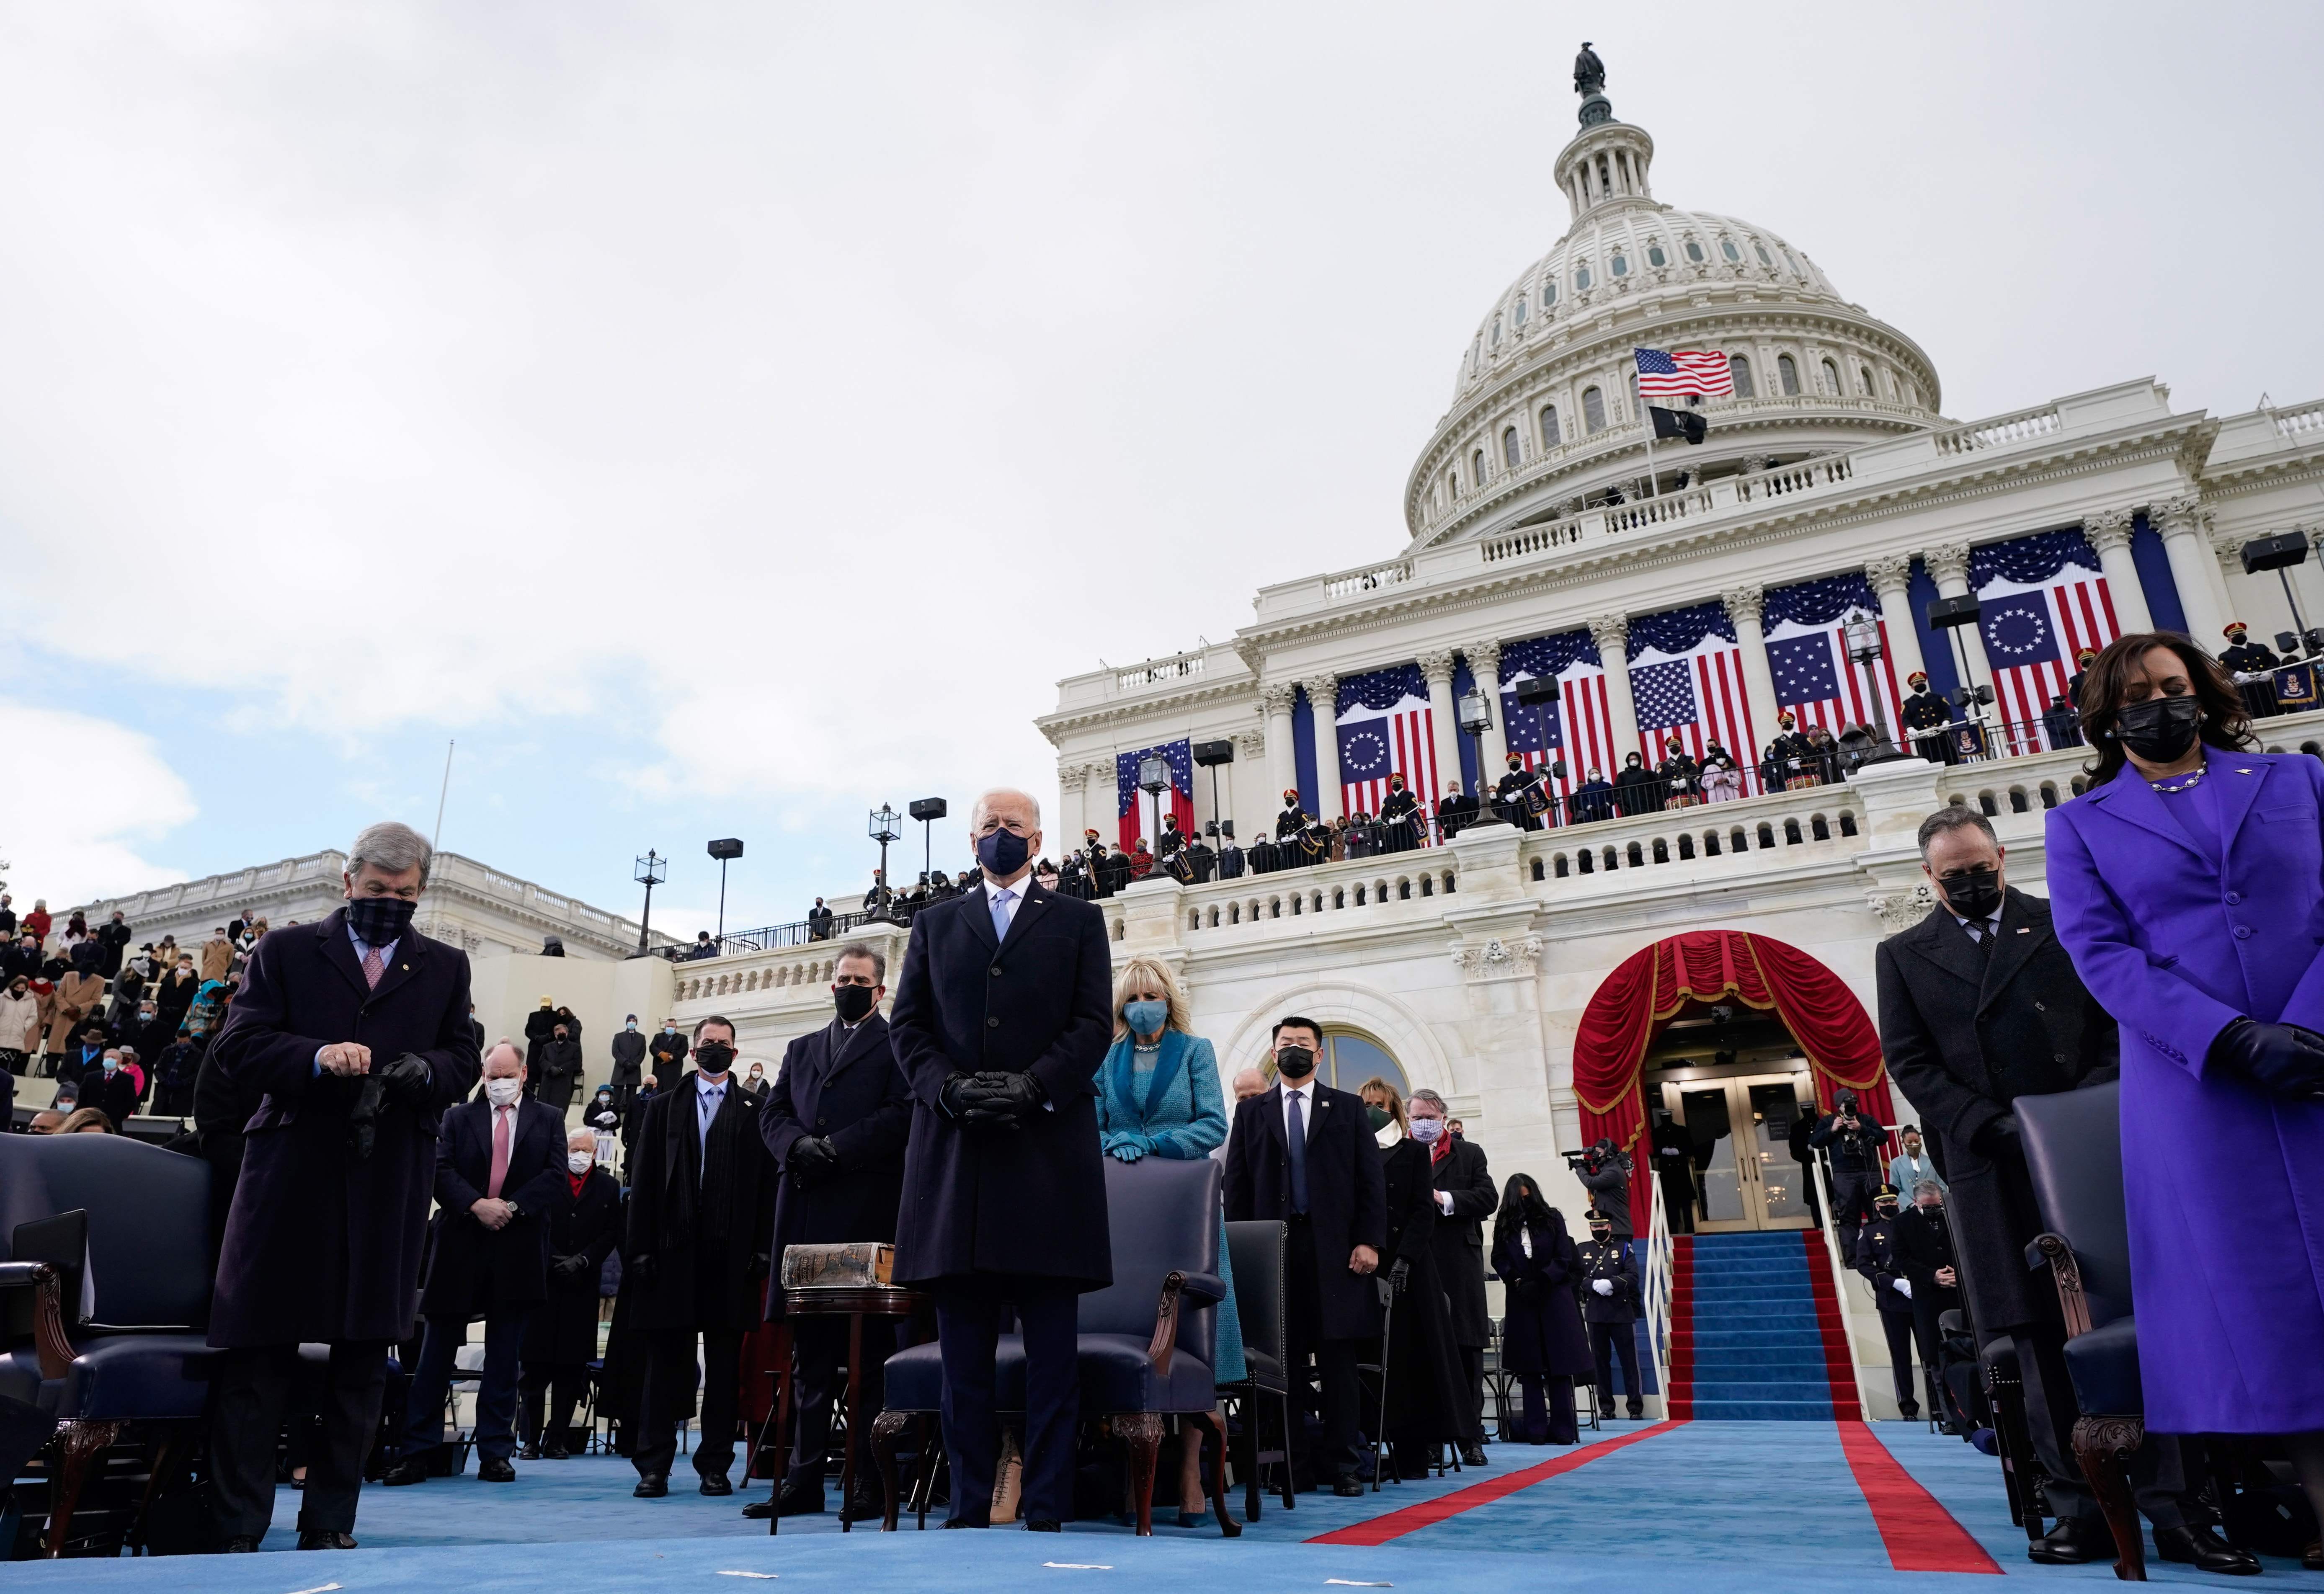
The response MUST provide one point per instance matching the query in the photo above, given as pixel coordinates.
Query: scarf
(577, 1181)
(1122, 1103)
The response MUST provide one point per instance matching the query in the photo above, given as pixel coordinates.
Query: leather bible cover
(831, 1266)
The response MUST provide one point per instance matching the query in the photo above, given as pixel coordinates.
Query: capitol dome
(1545, 419)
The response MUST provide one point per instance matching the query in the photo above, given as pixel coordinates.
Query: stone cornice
(1060, 726)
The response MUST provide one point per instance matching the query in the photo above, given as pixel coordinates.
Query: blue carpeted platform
(1757, 1352)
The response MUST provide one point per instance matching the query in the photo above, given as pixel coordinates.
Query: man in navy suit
(1303, 1155)
(500, 1177)
(1002, 1017)
(835, 1122)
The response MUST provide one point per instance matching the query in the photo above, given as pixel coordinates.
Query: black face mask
(714, 1058)
(1294, 1062)
(379, 920)
(1887, 1209)
(1974, 893)
(854, 1002)
(2160, 728)
(1003, 853)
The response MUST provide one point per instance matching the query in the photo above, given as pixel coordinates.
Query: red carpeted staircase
(1755, 1331)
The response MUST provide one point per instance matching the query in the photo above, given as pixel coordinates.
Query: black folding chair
(1256, 1252)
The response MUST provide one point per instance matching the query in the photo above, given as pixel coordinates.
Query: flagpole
(1652, 490)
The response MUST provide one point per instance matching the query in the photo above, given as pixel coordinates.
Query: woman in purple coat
(2188, 883)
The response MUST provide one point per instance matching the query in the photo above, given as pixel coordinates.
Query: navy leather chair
(1147, 1342)
(2073, 1151)
(118, 1343)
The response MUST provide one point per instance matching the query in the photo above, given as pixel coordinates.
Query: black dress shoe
(2074, 1540)
(869, 1505)
(240, 1544)
(1042, 1524)
(653, 1486)
(714, 1483)
(495, 1470)
(2204, 1549)
(1638, 1413)
(317, 1538)
(531, 1453)
(1346, 1487)
(1472, 1455)
(964, 1522)
(554, 1453)
(405, 1472)
(1910, 1413)
(793, 1499)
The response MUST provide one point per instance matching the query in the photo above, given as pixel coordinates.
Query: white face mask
(1427, 1130)
(500, 1092)
(580, 1161)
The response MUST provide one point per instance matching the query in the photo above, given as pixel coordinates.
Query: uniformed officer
(2082, 662)
(1172, 840)
(1399, 819)
(1925, 717)
(1882, 1264)
(1292, 819)
(1509, 800)
(1680, 776)
(1610, 1304)
(2246, 657)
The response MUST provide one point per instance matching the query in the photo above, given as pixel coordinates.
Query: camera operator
(323, 1240)
(1856, 1143)
(1605, 1172)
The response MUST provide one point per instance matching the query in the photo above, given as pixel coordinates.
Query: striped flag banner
(1577, 726)
(1686, 681)
(2042, 600)
(1807, 654)
(1134, 809)
(1386, 728)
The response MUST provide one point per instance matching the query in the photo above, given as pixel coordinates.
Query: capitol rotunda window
(1621, 265)
(1727, 248)
(1477, 467)
(1510, 454)
(1739, 370)
(1694, 252)
(1761, 250)
(1788, 374)
(1593, 409)
(1496, 332)
(1580, 279)
(1549, 433)
(1864, 380)
(1548, 295)
(1518, 311)
(1654, 256)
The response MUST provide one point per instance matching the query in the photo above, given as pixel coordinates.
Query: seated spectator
(703, 948)
(47, 1121)
(86, 1120)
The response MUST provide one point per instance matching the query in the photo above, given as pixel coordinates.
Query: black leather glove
(949, 1096)
(2281, 1059)
(813, 1159)
(1525, 1286)
(1997, 1138)
(567, 1266)
(408, 1081)
(1012, 1096)
(644, 1269)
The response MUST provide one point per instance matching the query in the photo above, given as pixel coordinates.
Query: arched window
(1477, 467)
(1350, 1059)
(1580, 277)
(1787, 373)
(1727, 248)
(1621, 263)
(1654, 256)
(1550, 435)
(1452, 482)
(1761, 250)
(1509, 450)
(1831, 379)
(1864, 380)
(1739, 370)
(1694, 252)
(1593, 409)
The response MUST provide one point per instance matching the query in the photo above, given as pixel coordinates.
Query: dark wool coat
(1029, 1200)
(320, 1245)
(1347, 1195)
(1460, 1241)
(1541, 1331)
(564, 1331)
(474, 1266)
(710, 1235)
(845, 1087)
(1423, 1380)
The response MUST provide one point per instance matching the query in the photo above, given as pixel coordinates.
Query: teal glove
(1125, 1146)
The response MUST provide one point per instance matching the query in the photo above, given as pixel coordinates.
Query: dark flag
(2295, 687)
(1677, 423)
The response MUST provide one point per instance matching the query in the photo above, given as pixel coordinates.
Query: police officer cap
(1886, 1193)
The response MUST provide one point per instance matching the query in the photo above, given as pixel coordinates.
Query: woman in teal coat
(1158, 1096)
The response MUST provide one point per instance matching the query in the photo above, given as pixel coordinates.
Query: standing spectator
(217, 955)
(818, 922)
(1464, 1199)
(1605, 1173)
(1880, 1259)
(1231, 860)
(560, 1070)
(603, 1118)
(1303, 1155)
(835, 1124)
(1673, 1151)
(173, 994)
(1803, 1123)
(754, 1082)
(43, 993)
(38, 923)
(668, 1050)
(1542, 1340)
(1455, 811)
(79, 996)
(1909, 1167)
(629, 1061)
(1611, 1306)
(540, 1029)
(1423, 1411)
(177, 1070)
(323, 1242)
(1000, 1024)
(113, 938)
(1857, 1144)
(1925, 1247)
(130, 986)
(703, 949)
(698, 1238)
(23, 955)
(561, 1339)
(111, 1087)
(20, 1026)
(7, 917)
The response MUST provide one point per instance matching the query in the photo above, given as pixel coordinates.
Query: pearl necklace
(2182, 786)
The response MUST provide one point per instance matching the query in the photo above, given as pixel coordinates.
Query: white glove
(1905, 1287)
(1604, 1286)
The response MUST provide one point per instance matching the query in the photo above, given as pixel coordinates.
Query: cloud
(82, 797)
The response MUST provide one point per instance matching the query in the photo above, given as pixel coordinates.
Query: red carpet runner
(1919, 1534)
(1836, 1367)
(1379, 1530)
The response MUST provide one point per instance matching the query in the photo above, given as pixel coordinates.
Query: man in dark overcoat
(1003, 1015)
(698, 1241)
(500, 1178)
(835, 1122)
(353, 1037)
(561, 1339)
(629, 1061)
(1465, 1198)
(559, 1072)
(1303, 1155)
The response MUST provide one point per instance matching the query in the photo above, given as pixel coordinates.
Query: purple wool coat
(2224, 1184)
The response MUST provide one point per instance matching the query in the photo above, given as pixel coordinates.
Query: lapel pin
(2024, 931)
(2243, 771)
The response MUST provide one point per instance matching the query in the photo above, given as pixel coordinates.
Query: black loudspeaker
(1538, 689)
(929, 808)
(1207, 753)
(729, 848)
(1226, 828)
(1949, 612)
(2284, 549)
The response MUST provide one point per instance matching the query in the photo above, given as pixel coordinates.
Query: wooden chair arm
(46, 1282)
(2067, 1273)
(1164, 1346)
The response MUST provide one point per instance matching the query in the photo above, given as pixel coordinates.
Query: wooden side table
(855, 1302)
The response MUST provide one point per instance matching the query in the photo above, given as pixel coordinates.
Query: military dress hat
(2087, 656)
(1917, 679)
(2235, 628)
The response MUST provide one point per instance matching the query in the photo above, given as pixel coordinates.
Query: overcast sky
(723, 420)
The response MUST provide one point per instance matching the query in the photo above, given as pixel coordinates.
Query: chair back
(2073, 1151)
(149, 1246)
(1257, 1251)
(1163, 1215)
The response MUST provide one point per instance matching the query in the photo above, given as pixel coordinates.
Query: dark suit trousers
(668, 1397)
(247, 1395)
(1902, 1329)
(1607, 1341)
(548, 1394)
(819, 1355)
(495, 1391)
(2157, 1473)
(1335, 1359)
(969, 1313)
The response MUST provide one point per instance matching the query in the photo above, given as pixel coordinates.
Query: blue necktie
(1000, 901)
(1297, 1147)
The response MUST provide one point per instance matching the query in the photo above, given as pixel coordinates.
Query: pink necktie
(500, 1151)
(374, 966)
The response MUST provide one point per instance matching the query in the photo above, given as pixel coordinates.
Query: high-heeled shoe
(1195, 1518)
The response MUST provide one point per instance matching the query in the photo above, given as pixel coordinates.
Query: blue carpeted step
(1763, 1410)
(1759, 1361)
(1713, 1337)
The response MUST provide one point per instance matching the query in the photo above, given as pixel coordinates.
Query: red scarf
(577, 1181)
(1442, 1149)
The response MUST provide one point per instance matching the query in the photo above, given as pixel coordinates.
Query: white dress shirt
(1307, 1108)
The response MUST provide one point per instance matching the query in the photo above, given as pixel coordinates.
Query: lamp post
(651, 870)
(1863, 635)
(723, 850)
(884, 820)
(1154, 779)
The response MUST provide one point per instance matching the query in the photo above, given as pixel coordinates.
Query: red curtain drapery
(1649, 989)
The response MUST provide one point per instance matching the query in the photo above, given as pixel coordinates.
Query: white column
(2202, 594)
(1892, 583)
(1276, 698)
(1948, 568)
(1745, 605)
(2109, 533)
(1251, 808)
(1612, 634)
(1436, 669)
(1323, 705)
(1072, 781)
(1485, 664)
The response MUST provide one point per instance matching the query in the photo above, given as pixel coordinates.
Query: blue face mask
(1003, 853)
(1146, 1018)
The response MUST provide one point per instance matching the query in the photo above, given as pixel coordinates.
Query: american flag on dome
(1134, 809)
(2042, 600)
(1577, 727)
(1672, 374)
(1807, 654)
(1686, 680)
(1386, 728)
